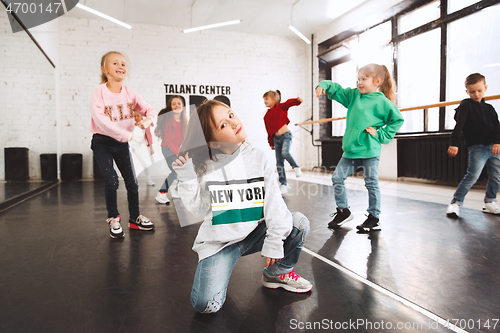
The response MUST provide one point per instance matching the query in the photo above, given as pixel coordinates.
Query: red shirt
(277, 116)
(172, 140)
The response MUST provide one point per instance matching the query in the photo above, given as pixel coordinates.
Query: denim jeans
(479, 156)
(345, 168)
(213, 273)
(107, 149)
(282, 145)
(170, 157)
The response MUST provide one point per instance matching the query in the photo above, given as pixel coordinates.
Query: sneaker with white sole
(161, 197)
(298, 172)
(370, 224)
(150, 183)
(340, 217)
(115, 228)
(453, 210)
(141, 223)
(288, 281)
(284, 189)
(491, 208)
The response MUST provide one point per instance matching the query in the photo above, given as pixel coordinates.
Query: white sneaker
(298, 172)
(453, 210)
(284, 189)
(491, 208)
(161, 197)
(150, 183)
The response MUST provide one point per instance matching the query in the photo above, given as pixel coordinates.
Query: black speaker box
(71, 166)
(16, 164)
(48, 164)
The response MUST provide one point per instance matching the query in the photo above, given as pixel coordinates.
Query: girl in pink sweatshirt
(112, 110)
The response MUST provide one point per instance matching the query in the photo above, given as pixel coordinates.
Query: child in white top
(112, 109)
(234, 185)
(141, 147)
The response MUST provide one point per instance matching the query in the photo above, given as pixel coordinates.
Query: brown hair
(196, 143)
(274, 94)
(103, 64)
(474, 78)
(166, 116)
(387, 84)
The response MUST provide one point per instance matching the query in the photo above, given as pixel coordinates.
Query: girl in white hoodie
(234, 185)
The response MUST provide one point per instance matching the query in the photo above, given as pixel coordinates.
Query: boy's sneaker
(491, 208)
(371, 224)
(453, 210)
(115, 228)
(298, 172)
(150, 183)
(161, 197)
(284, 189)
(289, 281)
(340, 217)
(141, 223)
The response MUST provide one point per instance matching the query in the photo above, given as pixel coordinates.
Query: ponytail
(387, 85)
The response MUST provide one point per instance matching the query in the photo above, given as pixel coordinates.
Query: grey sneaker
(115, 228)
(141, 223)
(289, 281)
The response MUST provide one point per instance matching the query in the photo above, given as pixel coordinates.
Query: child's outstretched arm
(194, 199)
(335, 91)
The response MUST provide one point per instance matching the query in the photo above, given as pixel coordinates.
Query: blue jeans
(213, 273)
(479, 156)
(282, 145)
(345, 168)
(107, 149)
(170, 157)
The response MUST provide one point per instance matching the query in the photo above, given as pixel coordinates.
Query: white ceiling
(269, 17)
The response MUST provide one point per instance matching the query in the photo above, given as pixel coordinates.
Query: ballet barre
(423, 107)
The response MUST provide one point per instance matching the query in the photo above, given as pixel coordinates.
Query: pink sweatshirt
(112, 113)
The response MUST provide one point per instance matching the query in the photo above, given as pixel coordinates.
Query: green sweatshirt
(364, 110)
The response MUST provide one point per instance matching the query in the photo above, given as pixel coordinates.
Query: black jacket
(478, 122)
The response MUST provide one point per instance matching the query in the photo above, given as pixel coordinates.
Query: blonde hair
(387, 85)
(104, 58)
(274, 94)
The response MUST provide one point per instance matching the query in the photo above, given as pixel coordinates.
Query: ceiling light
(298, 33)
(210, 26)
(95, 12)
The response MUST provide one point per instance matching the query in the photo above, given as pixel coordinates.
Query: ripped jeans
(213, 273)
(282, 145)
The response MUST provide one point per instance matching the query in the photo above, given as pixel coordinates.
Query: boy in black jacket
(478, 121)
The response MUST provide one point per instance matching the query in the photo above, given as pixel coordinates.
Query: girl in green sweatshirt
(372, 120)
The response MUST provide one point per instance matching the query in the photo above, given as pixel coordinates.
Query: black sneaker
(371, 224)
(141, 223)
(340, 217)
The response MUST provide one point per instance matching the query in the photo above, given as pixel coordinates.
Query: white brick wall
(158, 55)
(249, 64)
(28, 98)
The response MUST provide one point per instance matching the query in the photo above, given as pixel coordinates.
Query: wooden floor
(61, 272)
